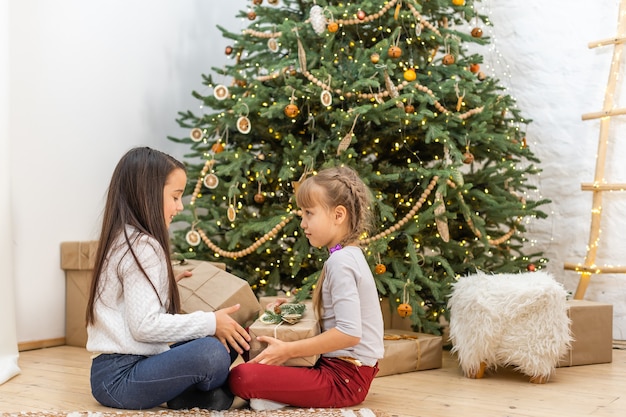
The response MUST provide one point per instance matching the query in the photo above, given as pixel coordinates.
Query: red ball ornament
(360, 15)
(380, 269)
(531, 268)
(228, 50)
(251, 15)
(404, 310)
(474, 68)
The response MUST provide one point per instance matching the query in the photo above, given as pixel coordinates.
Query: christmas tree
(390, 89)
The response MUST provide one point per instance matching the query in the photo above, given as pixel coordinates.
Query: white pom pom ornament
(318, 21)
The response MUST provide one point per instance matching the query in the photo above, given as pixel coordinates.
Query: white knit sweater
(130, 317)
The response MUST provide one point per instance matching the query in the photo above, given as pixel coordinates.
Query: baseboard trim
(40, 344)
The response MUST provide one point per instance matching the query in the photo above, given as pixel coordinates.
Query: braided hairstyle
(341, 186)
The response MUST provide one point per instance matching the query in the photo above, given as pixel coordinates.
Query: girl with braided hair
(336, 211)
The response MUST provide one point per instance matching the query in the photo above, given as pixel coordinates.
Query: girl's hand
(276, 352)
(276, 303)
(229, 332)
(184, 274)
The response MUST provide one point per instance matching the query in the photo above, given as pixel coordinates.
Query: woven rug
(287, 412)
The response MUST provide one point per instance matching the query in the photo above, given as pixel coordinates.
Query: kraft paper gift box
(77, 260)
(211, 288)
(307, 327)
(592, 330)
(410, 351)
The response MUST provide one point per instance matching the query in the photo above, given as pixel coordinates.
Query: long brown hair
(135, 198)
(341, 186)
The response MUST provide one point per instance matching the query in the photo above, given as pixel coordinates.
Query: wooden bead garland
(367, 96)
(272, 233)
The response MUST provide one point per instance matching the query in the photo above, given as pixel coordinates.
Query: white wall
(556, 78)
(90, 79)
(8, 342)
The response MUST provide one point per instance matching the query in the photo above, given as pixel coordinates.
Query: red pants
(331, 383)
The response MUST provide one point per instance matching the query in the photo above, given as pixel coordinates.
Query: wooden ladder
(599, 184)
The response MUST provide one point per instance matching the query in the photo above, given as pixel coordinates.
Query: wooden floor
(57, 379)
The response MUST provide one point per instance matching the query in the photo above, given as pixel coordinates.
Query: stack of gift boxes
(210, 288)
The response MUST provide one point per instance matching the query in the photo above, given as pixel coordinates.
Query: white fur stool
(509, 319)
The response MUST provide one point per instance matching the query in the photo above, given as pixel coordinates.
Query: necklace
(335, 248)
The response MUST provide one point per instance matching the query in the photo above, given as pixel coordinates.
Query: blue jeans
(140, 382)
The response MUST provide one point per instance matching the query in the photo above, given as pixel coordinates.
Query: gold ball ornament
(380, 269)
(410, 75)
(374, 58)
(394, 52)
(251, 15)
(458, 2)
(332, 27)
(291, 111)
(404, 310)
(468, 158)
(409, 108)
(477, 32)
(257, 2)
(273, 2)
(448, 59)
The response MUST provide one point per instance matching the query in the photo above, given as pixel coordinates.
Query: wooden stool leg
(479, 373)
(539, 379)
